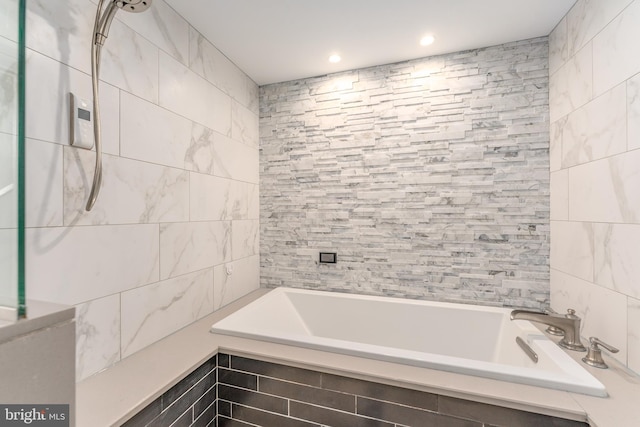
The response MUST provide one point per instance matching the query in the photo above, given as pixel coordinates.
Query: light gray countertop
(114, 395)
(39, 315)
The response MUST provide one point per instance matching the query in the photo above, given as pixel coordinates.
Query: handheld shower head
(100, 34)
(103, 21)
(135, 6)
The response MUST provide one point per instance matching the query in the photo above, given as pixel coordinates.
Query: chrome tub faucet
(570, 325)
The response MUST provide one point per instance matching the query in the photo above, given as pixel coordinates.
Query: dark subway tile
(206, 416)
(404, 396)
(275, 370)
(330, 417)
(266, 419)
(303, 393)
(185, 401)
(185, 420)
(171, 415)
(224, 407)
(224, 360)
(186, 383)
(145, 416)
(237, 378)
(499, 416)
(408, 416)
(204, 402)
(252, 398)
(198, 390)
(228, 422)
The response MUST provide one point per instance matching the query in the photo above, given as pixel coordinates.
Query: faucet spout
(570, 326)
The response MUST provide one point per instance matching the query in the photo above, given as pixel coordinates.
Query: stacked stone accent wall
(429, 178)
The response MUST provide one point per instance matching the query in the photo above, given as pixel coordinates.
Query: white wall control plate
(80, 122)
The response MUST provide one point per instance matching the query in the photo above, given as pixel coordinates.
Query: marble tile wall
(429, 178)
(8, 152)
(174, 233)
(594, 103)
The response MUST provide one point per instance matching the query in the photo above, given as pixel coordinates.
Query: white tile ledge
(40, 315)
(116, 394)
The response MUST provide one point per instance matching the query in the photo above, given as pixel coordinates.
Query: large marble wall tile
(244, 125)
(560, 195)
(186, 247)
(555, 143)
(8, 177)
(8, 265)
(62, 30)
(201, 155)
(558, 47)
(184, 92)
(152, 312)
(132, 191)
(572, 248)
(64, 33)
(70, 265)
(599, 143)
(235, 160)
(633, 112)
(44, 184)
(48, 85)
(616, 257)
(153, 134)
(213, 198)
(251, 97)
(235, 279)
(130, 62)
(211, 64)
(97, 335)
(109, 117)
(245, 238)
(597, 129)
(603, 312)
(614, 60)
(161, 25)
(8, 21)
(8, 87)
(633, 333)
(571, 86)
(254, 201)
(94, 259)
(588, 17)
(606, 190)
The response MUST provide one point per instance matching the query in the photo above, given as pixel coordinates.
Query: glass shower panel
(11, 83)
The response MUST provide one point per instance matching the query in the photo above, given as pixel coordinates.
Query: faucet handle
(594, 355)
(595, 342)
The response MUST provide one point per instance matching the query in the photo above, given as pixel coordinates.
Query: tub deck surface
(459, 338)
(102, 401)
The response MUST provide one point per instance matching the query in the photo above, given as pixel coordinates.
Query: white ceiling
(281, 40)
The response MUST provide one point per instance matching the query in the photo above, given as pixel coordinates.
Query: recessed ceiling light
(334, 58)
(427, 40)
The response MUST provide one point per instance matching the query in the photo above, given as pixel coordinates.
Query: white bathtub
(466, 339)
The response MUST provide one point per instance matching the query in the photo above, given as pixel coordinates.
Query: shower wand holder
(80, 123)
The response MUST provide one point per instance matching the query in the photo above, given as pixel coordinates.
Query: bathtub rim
(586, 383)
